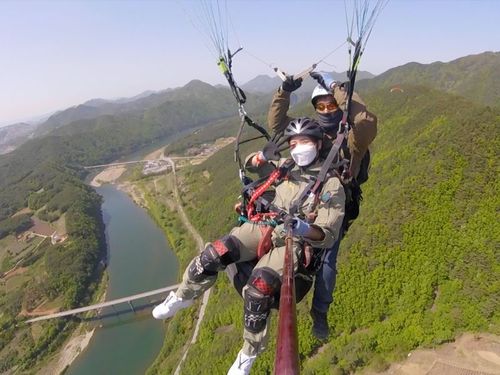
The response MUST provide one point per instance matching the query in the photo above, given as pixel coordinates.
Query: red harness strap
(265, 242)
(258, 192)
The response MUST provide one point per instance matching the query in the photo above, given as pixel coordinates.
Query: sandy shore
(155, 154)
(108, 175)
(76, 344)
(73, 347)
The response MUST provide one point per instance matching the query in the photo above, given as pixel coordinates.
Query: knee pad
(263, 285)
(215, 257)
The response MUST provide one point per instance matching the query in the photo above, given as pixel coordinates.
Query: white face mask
(304, 154)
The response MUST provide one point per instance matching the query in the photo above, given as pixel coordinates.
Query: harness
(259, 210)
(256, 207)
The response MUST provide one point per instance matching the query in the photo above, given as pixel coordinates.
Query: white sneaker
(242, 365)
(170, 306)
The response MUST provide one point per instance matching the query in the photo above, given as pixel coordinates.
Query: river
(139, 259)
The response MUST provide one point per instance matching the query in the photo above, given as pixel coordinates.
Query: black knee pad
(215, 257)
(263, 285)
(196, 271)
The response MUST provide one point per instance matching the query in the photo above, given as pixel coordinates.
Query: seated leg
(258, 294)
(200, 275)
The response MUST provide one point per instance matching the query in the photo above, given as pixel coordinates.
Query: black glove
(291, 84)
(345, 85)
(272, 149)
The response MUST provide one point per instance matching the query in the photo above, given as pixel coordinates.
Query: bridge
(98, 306)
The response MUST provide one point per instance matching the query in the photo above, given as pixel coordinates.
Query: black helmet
(304, 126)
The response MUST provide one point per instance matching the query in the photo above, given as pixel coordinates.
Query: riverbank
(77, 342)
(81, 337)
(134, 192)
(140, 260)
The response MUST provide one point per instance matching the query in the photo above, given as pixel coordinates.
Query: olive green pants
(248, 235)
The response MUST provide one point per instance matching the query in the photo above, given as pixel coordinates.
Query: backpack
(354, 194)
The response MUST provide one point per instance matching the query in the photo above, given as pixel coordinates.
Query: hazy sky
(55, 54)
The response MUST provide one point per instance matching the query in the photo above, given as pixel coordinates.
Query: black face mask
(330, 122)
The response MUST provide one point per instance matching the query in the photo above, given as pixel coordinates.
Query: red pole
(287, 354)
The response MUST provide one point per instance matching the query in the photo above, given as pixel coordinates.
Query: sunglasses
(329, 106)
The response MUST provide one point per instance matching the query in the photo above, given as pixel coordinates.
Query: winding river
(139, 260)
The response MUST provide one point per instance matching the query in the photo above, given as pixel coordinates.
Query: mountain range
(465, 76)
(95, 108)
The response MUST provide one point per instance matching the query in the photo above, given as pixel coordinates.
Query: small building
(41, 228)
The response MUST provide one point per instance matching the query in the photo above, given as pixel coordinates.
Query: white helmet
(319, 91)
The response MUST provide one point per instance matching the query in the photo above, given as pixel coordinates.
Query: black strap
(239, 95)
(315, 186)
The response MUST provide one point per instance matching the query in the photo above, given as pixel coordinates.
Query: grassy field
(9, 246)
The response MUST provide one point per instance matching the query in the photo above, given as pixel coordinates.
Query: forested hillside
(474, 77)
(421, 263)
(196, 102)
(46, 175)
(106, 138)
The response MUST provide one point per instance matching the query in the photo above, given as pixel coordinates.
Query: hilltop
(474, 77)
(266, 84)
(12, 136)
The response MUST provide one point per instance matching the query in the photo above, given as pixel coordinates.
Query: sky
(57, 54)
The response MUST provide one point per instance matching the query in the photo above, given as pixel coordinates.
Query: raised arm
(277, 118)
(365, 126)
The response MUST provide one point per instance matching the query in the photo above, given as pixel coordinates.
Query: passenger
(329, 99)
(318, 222)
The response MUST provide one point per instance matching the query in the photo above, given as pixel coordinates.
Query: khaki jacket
(360, 136)
(329, 210)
